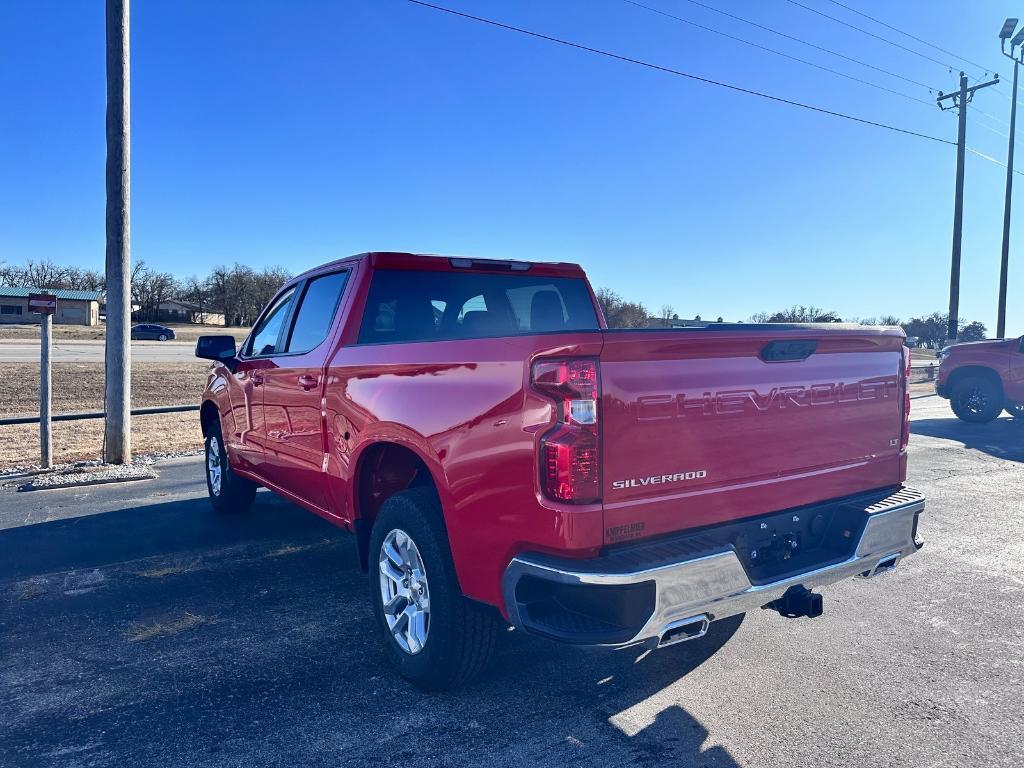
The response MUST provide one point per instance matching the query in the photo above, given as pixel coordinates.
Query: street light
(1008, 26)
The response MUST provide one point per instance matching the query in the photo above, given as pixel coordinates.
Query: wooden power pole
(117, 447)
(959, 100)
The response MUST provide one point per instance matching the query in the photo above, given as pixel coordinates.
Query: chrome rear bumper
(692, 591)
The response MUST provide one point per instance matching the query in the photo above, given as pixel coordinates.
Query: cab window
(266, 336)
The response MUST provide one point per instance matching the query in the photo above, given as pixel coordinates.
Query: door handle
(309, 382)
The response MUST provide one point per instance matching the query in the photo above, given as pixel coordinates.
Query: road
(138, 628)
(15, 351)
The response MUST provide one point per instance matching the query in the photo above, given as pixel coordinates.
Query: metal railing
(8, 420)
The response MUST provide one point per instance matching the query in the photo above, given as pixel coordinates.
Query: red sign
(42, 303)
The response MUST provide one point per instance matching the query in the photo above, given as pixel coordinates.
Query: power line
(870, 34)
(778, 53)
(677, 72)
(990, 117)
(697, 78)
(991, 159)
(986, 70)
(819, 66)
(809, 44)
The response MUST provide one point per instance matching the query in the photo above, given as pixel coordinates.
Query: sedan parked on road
(152, 332)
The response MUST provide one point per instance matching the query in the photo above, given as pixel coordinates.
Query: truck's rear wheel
(976, 399)
(228, 492)
(434, 636)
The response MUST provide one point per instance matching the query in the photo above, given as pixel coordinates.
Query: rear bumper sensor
(667, 594)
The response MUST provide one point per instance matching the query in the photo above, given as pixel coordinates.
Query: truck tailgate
(705, 425)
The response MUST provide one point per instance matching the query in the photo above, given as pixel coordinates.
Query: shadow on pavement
(1003, 438)
(168, 634)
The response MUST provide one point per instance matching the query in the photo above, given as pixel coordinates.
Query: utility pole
(117, 447)
(1007, 30)
(959, 100)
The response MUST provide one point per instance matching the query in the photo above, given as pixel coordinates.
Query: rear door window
(413, 305)
(316, 312)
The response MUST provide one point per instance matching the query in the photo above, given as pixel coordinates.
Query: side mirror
(219, 348)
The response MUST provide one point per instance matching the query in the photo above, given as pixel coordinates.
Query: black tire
(229, 493)
(162, 337)
(976, 399)
(1016, 410)
(460, 634)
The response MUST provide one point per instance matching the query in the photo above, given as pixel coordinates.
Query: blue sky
(293, 133)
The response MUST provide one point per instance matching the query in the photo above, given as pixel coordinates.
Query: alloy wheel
(213, 467)
(404, 592)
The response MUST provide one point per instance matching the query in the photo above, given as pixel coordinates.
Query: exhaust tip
(685, 629)
(886, 564)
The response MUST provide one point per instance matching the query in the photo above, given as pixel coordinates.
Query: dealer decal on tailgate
(624, 532)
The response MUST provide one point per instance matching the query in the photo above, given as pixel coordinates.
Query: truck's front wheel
(228, 492)
(976, 399)
(434, 636)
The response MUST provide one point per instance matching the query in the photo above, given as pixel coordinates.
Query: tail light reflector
(569, 452)
(905, 437)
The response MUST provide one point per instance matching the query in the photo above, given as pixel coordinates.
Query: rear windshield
(407, 305)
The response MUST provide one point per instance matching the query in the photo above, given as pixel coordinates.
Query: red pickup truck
(981, 378)
(503, 457)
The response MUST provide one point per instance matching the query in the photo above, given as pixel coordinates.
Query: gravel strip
(111, 473)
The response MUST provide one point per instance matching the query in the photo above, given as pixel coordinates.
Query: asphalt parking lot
(152, 632)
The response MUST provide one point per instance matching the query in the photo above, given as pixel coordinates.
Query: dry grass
(144, 632)
(30, 591)
(919, 388)
(182, 331)
(291, 549)
(171, 570)
(79, 386)
(80, 440)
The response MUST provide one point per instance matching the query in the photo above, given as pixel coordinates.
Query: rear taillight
(569, 452)
(905, 437)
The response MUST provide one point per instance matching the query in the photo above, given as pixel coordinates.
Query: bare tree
(797, 314)
(240, 292)
(619, 313)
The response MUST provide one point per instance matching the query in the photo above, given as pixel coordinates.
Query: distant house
(73, 307)
(178, 311)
